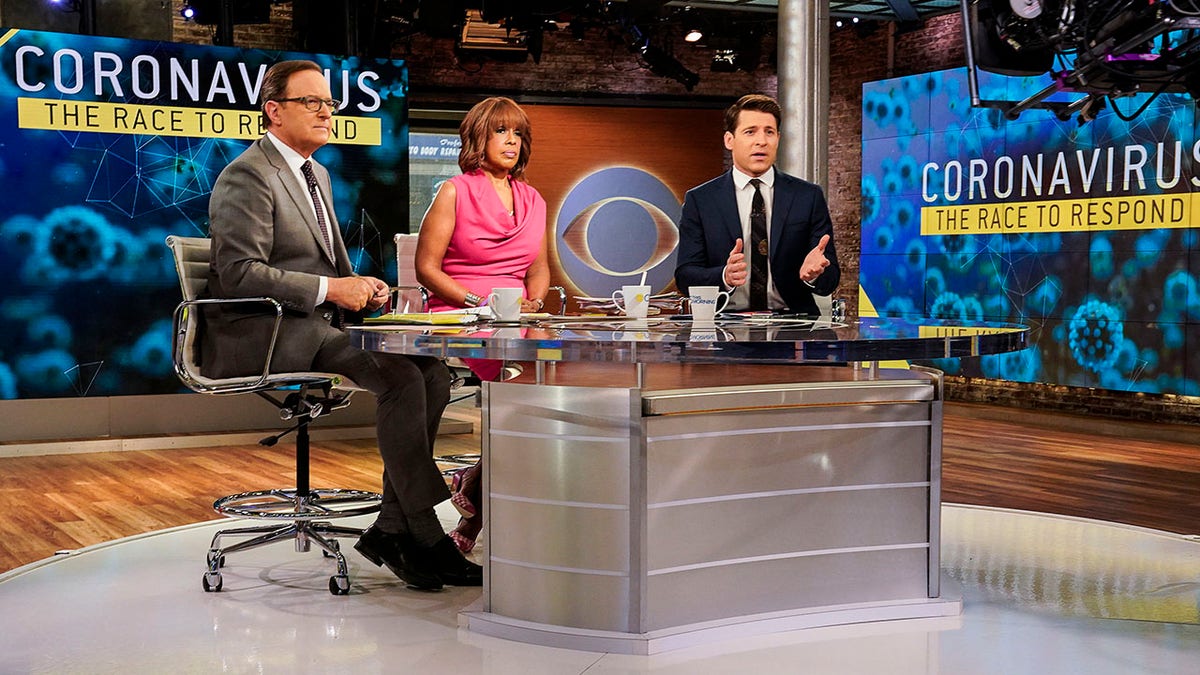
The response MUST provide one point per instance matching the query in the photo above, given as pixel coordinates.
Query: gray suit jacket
(266, 242)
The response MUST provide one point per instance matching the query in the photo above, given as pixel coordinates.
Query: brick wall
(279, 34)
(599, 67)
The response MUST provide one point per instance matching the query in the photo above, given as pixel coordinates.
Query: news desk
(657, 484)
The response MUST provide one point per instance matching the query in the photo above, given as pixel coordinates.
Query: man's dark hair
(759, 102)
(275, 83)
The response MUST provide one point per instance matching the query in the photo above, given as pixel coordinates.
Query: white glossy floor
(1042, 594)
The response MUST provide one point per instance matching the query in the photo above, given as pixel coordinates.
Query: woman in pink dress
(485, 229)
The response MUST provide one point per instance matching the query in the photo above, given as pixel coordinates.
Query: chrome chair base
(300, 517)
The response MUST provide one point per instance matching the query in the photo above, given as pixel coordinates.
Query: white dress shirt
(739, 297)
(294, 160)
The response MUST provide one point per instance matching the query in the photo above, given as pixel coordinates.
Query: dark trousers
(412, 392)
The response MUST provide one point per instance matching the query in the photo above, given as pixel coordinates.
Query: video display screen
(1086, 233)
(109, 145)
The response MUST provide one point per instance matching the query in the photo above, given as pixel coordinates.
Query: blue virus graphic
(1179, 294)
(8, 382)
(1127, 357)
(960, 251)
(948, 305)
(996, 306)
(908, 171)
(22, 235)
(1149, 247)
(905, 215)
(49, 331)
(1095, 335)
(80, 241)
(45, 372)
(947, 366)
(1101, 258)
(1173, 335)
(899, 305)
(972, 308)
(935, 282)
(1022, 366)
(1044, 297)
(891, 180)
(151, 353)
(870, 199)
(1149, 357)
(884, 238)
(914, 254)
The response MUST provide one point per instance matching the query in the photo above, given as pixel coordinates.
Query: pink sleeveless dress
(489, 248)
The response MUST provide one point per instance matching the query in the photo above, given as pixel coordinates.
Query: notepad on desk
(424, 319)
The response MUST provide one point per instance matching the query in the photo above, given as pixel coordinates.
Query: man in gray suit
(275, 234)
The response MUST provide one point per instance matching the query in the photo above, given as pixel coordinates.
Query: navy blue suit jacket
(709, 227)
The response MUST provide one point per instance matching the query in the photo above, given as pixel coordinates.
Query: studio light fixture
(188, 12)
(738, 49)
(658, 60)
(724, 61)
(693, 29)
(86, 10)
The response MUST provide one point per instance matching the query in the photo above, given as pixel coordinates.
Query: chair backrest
(410, 296)
(406, 255)
(192, 255)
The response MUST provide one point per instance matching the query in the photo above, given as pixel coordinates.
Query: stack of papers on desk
(425, 318)
(663, 302)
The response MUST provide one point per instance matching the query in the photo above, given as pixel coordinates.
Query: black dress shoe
(383, 548)
(451, 566)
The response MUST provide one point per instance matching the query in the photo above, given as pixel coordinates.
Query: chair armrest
(396, 291)
(184, 331)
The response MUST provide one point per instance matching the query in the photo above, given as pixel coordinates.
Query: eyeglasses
(313, 104)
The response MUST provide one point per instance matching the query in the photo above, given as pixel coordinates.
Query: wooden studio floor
(1122, 472)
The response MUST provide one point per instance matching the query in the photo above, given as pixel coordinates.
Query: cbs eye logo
(614, 225)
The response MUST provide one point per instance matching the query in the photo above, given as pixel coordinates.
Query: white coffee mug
(634, 300)
(506, 303)
(706, 301)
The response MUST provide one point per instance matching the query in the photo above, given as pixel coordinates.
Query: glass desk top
(731, 339)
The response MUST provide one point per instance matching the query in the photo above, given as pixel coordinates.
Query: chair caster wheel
(212, 582)
(212, 554)
(339, 584)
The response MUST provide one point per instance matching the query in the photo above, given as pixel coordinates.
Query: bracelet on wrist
(538, 304)
(472, 300)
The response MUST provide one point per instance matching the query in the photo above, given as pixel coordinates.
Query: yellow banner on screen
(1143, 212)
(152, 120)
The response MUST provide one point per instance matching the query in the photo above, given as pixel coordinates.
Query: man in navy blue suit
(754, 231)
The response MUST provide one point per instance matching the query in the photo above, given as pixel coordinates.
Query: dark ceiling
(902, 11)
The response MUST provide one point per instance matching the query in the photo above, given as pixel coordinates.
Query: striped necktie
(311, 179)
(758, 249)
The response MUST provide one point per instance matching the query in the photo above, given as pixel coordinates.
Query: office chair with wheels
(299, 513)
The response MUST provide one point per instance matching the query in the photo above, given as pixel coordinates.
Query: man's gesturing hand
(735, 267)
(815, 262)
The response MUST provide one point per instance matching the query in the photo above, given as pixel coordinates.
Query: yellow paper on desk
(425, 319)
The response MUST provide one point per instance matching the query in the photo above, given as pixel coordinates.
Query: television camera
(1103, 49)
